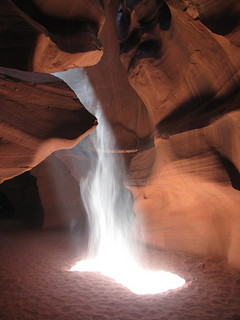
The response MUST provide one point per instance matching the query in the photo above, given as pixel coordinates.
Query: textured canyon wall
(50, 36)
(184, 64)
(104, 85)
(58, 180)
(168, 82)
(39, 112)
(186, 185)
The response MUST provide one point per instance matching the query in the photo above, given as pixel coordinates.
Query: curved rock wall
(58, 179)
(39, 114)
(182, 58)
(39, 40)
(189, 79)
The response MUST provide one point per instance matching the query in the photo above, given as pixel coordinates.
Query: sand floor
(35, 284)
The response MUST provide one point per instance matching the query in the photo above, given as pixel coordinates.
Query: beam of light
(109, 205)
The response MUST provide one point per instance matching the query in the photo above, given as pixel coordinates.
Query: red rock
(58, 185)
(34, 40)
(221, 17)
(39, 114)
(124, 110)
(182, 59)
(188, 77)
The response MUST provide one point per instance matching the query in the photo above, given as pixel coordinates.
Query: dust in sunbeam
(109, 205)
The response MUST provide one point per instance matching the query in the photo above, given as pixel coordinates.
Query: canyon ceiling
(167, 74)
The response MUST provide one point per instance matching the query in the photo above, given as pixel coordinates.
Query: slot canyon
(166, 75)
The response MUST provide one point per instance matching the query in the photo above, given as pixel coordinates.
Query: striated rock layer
(49, 37)
(105, 85)
(39, 114)
(189, 79)
(182, 58)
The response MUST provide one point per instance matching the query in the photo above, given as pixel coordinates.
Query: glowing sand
(131, 275)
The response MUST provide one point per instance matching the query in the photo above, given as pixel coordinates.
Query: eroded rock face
(173, 66)
(192, 201)
(105, 85)
(50, 37)
(182, 58)
(58, 180)
(188, 77)
(39, 114)
(221, 17)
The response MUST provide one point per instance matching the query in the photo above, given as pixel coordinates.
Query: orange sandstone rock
(39, 114)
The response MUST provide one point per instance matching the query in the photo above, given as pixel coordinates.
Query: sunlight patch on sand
(125, 270)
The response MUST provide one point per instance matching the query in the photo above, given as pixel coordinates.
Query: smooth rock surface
(188, 77)
(181, 116)
(34, 38)
(39, 114)
(58, 180)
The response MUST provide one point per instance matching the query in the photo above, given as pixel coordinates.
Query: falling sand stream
(111, 249)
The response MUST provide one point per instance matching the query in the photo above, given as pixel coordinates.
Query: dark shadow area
(199, 112)
(131, 42)
(231, 169)
(223, 22)
(20, 202)
(54, 24)
(17, 39)
(158, 13)
(133, 3)
(76, 29)
(124, 21)
(164, 17)
(149, 49)
(7, 210)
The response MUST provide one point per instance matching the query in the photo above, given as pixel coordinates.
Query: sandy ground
(35, 284)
